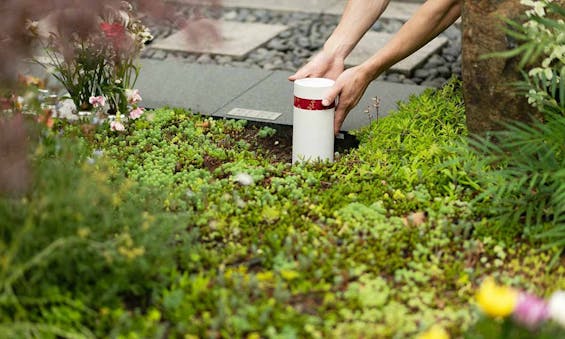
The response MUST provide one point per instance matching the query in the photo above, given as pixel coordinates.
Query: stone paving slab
(389, 95)
(241, 93)
(373, 41)
(307, 6)
(274, 95)
(395, 10)
(237, 40)
(202, 88)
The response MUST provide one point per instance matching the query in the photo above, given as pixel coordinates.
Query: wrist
(337, 49)
(372, 68)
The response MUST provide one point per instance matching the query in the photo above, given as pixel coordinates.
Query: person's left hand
(350, 86)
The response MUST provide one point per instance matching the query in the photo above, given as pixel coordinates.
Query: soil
(279, 146)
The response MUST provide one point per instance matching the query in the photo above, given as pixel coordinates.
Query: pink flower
(133, 96)
(530, 310)
(136, 113)
(116, 33)
(113, 31)
(117, 126)
(98, 101)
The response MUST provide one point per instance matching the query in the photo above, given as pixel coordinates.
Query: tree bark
(487, 83)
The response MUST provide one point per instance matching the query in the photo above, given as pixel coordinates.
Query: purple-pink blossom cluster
(135, 112)
(532, 311)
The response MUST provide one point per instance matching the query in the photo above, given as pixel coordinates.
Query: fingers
(332, 94)
(341, 109)
(300, 74)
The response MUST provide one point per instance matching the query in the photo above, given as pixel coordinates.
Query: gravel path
(306, 35)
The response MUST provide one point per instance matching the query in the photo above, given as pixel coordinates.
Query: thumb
(300, 74)
(293, 77)
(332, 94)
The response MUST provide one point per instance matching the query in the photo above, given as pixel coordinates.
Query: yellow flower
(434, 332)
(496, 301)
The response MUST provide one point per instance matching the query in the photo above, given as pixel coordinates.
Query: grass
(384, 242)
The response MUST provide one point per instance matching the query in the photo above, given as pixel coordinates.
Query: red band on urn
(311, 105)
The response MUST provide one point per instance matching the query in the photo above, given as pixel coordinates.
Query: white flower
(535, 71)
(126, 6)
(97, 153)
(539, 8)
(117, 126)
(556, 307)
(244, 179)
(133, 96)
(548, 73)
(145, 36)
(124, 17)
(66, 109)
(558, 52)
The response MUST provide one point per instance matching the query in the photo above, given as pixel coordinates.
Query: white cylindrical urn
(312, 122)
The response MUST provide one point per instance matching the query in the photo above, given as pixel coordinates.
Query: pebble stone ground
(306, 35)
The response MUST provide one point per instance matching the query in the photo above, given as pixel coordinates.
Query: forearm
(357, 18)
(433, 17)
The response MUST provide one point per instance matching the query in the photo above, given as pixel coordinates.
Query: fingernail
(325, 102)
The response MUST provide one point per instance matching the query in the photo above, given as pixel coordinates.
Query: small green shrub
(401, 159)
(266, 132)
(526, 183)
(81, 240)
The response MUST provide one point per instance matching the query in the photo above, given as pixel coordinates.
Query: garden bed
(183, 225)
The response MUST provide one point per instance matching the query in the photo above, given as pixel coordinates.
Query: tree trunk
(487, 83)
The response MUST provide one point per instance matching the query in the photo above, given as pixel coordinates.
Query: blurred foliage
(525, 186)
(82, 238)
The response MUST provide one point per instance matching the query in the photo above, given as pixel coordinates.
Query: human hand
(350, 86)
(323, 65)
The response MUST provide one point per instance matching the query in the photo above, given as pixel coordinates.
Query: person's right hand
(323, 65)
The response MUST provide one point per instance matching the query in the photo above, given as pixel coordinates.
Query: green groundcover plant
(178, 227)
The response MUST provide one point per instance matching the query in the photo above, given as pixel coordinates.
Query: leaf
(289, 275)
(549, 23)
(527, 57)
(270, 214)
(505, 54)
(560, 10)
